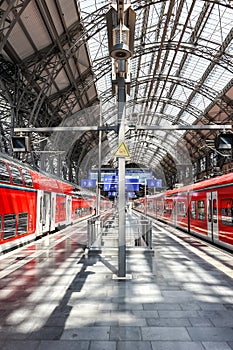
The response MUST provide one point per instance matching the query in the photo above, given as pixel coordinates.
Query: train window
(160, 207)
(9, 225)
(193, 210)
(215, 211)
(210, 214)
(52, 211)
(16, 175)
(181, 209)
(149, 205)
(227, 211)
(22, 223)
(168, 208)
(201, 210)
(0, 224)
(4, 173)
(41, 209)
(27, 178)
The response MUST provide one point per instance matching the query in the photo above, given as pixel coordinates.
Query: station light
(224, 142)
(20, 143)
(121, 28)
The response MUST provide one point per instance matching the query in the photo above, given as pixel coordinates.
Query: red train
(204, 209)
(34, 203)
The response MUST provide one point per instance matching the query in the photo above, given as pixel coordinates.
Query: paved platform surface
(54, 297)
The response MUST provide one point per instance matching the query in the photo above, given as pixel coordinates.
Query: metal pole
(99, 163)
(145, 209)
(121, 180)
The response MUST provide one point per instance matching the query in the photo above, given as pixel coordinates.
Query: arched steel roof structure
(55, 70)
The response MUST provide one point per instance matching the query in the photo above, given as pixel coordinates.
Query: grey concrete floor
(179, 296)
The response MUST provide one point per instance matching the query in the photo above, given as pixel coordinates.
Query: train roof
(209, 183)
(16, 161)
(213, 182)
(43, 178)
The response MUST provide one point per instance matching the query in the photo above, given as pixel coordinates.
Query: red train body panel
(204, 209)
(33, 204)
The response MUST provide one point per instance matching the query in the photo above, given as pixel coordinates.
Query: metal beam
(128, 127)
(184, 127)
(57, 129)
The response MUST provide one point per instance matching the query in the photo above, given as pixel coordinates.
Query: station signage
(111, 184)
(141, 174)
(154, 183)
(87, 183)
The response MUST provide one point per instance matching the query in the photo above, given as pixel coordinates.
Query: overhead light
(224, 141)
(121, 28)
(20, 143)
(120, 51)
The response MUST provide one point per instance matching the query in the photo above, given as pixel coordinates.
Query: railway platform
(177, 295)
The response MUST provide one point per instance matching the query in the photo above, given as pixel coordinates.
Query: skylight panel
(175, 66)
(164, 121)
(89, 6)
(217, 25)
(201, 101)
(182, 93)
(194, 67)
(171, 110)
(144, 65)
(188, 118)
(218, 78)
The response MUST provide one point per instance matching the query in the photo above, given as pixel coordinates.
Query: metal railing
(93, 231)
(103, 231)
(139, 233)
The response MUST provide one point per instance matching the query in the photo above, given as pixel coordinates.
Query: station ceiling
(56, 71)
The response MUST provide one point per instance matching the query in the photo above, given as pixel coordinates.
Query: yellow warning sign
(122, 151)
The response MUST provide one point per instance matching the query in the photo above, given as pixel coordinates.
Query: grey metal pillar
(99, 163)
(121, 179)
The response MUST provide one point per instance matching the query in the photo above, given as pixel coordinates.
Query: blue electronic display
(154, 182)
(110, 179)
(86, 183)
(131, 194)
(128, 187)
(112, 194)
(131, 180)
(132, 187)
(140, 174)
(110, 187)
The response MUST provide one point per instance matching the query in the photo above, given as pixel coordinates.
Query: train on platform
(204, 209)
(34, 203)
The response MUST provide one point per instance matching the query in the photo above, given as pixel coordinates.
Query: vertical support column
(121, 27)
(145, 209)
(89, 232)
(59, 165)
(99, 163)
(121, 179)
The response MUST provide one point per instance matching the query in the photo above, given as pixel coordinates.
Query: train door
(175, 211)
(53, 210)
(44, 211)
(68, 209)
(212, 215)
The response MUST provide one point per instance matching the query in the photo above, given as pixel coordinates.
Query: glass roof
(182, 61)
(181, 73)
